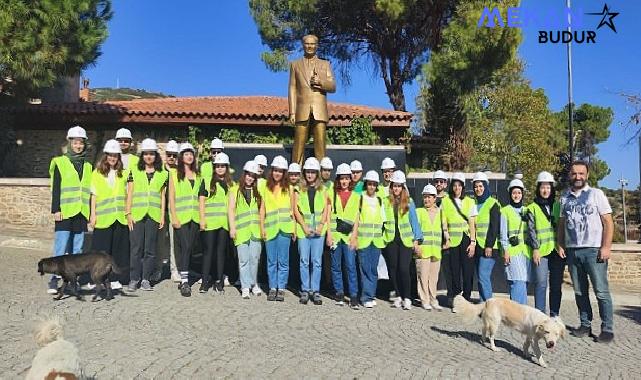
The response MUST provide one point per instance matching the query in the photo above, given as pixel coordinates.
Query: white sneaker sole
(52, 291)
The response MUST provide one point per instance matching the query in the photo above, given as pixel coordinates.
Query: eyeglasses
(171, 155)
(123, 140)
(216, 151)
(440, 181)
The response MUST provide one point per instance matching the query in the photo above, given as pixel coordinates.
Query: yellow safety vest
(515, 228)
(110, 201)
(370, 226)
(187, 206)
(278, 213)
(483, 223)
(146, 194)
(216, 209)
(74, 192)
(207, 171)
(432, 234)
(545, 232)
(247, 218)
(347, 214)
(404, 226)
(312, 220)
(456, 225)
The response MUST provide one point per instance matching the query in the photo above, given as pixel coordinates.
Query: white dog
(529, 321)
(57, 358)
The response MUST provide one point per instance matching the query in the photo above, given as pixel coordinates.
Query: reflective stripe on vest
(320, 201)
(278, 214)
(247, 218)
(370, 226)
(432, 233)
(545, 232)
(483, 223)
(404, 226)
(186, 202)
(347, 214)
(146, 198)
(75, 193)
(216, 209)
(515, 228)
(456, 225)
(110, 201)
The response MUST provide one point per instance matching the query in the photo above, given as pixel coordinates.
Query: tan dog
(527, 320)
(57, 358)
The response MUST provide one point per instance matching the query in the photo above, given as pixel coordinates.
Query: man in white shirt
(584, 234)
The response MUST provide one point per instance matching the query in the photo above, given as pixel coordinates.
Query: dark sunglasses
(440, 181)
(172, 155)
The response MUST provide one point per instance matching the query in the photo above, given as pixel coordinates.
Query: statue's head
(310, 44)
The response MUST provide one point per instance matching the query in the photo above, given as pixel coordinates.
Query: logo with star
(607, 18)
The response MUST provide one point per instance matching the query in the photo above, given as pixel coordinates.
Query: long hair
(254, 188)
(450, 189)
(403, 201)
(157, 162)
(103, 167)
(180, 167)
(284, 187)
(318, 183)
(226, 179)
(337, 183)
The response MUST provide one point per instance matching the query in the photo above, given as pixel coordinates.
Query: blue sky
(198, 48)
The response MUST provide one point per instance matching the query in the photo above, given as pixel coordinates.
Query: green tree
(466, 59)
(43, 40)
(396, 36)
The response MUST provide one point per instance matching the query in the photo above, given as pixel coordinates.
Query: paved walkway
(162, 335)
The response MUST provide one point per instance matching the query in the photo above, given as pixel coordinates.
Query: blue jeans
(344, 254)
(248, 255)
(278, 260)
(540, 283)
(583, 264)
(518, 291)
(67, 242)
(368, 263)
(310, 248)
(485, 267)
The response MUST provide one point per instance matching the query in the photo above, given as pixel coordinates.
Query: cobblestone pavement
(162, 335)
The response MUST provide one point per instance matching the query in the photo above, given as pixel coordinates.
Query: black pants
(114, 240)
(215, 248)
(398, 259)
(556, 266)
(457, 263)
(187, 235)
(143, 240)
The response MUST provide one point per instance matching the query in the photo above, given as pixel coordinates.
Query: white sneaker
(398, 302)
(257, 290)
(115, 285)
(245, 293)
(427, 306)
(407, 304)
(175, 277)
(88, 286)
(373, 302)
(437, 307)
(226, 282)
(369, 304)
(52, 291)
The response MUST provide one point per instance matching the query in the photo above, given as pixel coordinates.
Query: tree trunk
(393, 78)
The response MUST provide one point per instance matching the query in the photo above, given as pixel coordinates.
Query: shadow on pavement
(476, 338)
(633, 313)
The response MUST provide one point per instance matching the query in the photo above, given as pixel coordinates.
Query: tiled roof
(254, 110)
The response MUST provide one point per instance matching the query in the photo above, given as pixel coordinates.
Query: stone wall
(25, 204)
(625, 267)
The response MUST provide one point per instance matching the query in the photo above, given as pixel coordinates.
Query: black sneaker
(605, 337)
(317, 299)
(340, 299)
(353, 303)
(582, 331)
(204, 287)
(185, 289)
(280, 296)
(304, 298)
(220, 287)
(271, 296)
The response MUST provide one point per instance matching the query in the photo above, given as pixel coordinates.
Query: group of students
(128, 199)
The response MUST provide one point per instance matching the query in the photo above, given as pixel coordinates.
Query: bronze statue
(310, 78)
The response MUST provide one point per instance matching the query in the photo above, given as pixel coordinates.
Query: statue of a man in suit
(310, 78)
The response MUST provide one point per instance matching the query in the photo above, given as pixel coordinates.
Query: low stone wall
(625, 266)
(25, 203)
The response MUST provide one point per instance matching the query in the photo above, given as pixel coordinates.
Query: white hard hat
(251, 166)
(260, 160)
(311, 164)
(343, 169)
(221, 158)
(326, 163)
(429, 189)
(112, 146)
(480, 176)
(149, 145)
(388, 163)
(123, 133)
(398, 177)
(186, 146)
(439, 174)
(217, 144)
(172, 146)
(279, 162)
(458, 176)
(372, 176)
(76, 132)
(545, 177)
(356, 166)
(294, 167)
(516, 183)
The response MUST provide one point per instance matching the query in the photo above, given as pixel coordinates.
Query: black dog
(99, 265)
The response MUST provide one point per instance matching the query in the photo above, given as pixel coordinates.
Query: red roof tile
(255, 110)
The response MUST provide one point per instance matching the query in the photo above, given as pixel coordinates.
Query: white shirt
(372, 203)
(473, 211)
(582, 211)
